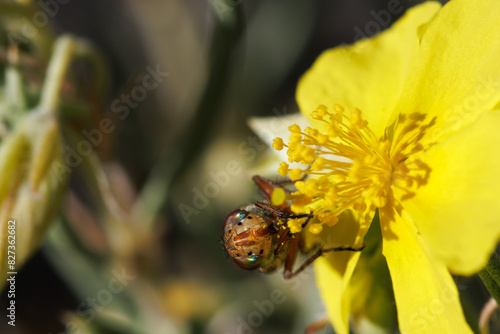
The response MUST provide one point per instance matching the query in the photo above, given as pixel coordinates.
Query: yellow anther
(356, 113)
(296, 155)
(316, 115)
(359, 206)
(295, 174)
(337, 117)
(300, 185)
(295, 137)
(315, 228)
(278, 144)
(332, 130)
(322, 108)
(308, 154)
(357, 120)
(278, 196)
(309, 141)
(320, 112)
(295, 225)
(294, 128)
(321, 138)
(283, 170)
(327, 218)
(310, 189)
(338, 108)
(311, 131)
(355, 117)
(293, 145)
(318, 164)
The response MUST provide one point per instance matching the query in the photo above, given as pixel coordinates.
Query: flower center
(352, 167)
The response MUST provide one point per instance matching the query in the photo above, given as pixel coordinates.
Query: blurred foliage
(153, 118)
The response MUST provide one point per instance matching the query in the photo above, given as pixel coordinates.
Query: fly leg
(288, 234)
(267, 186)
(284, 215)
(288, 181)
(292, 250)
(280, 213)
(316, 326)
(289, 273)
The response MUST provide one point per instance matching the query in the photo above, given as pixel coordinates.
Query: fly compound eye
(234, 218)
(248, 262)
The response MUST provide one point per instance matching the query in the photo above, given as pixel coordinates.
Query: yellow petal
(332, 279)
(426, 296)
(456, 76)
(369, 75)
(333, 271)
(458, 211)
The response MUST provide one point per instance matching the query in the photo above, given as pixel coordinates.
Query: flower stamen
(352, 167)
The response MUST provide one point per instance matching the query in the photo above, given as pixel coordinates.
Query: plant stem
(66, 49)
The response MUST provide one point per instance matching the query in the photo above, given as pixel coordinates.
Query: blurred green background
(177, 162)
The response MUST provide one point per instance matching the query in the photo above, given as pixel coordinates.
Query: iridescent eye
(251, 262)
(241, 214)
(234, 218)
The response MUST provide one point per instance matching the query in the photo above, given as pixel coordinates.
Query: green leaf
(491, 276)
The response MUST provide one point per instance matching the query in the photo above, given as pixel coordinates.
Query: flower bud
(30, 187)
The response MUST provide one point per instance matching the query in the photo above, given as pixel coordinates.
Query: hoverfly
(257, 235)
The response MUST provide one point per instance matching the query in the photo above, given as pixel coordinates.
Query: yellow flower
(406, 123)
